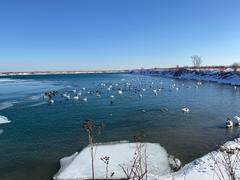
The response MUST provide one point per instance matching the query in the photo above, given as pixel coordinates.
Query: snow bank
(209, 166)
(78, 166)
(4, 120)
(223, 77)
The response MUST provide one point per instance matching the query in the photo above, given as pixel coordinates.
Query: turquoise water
(40, 134)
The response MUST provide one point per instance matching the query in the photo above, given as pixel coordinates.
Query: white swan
(84, 99)
(186, 110)
(229, 123)
(155, 91)
(67, 96)
(112, 96)
(120, 92)
(76, 97)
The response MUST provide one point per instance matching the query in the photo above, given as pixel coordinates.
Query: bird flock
(135, 87)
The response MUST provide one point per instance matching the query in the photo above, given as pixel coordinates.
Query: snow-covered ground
(4, 120)
(209, 167)
(78, 166)
(227, 76)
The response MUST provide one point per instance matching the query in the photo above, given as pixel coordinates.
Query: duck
(229, 123)
(67, 96)
(185, 110)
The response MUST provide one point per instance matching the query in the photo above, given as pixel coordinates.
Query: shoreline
(209, 166)
(229, 77)
(5, 74)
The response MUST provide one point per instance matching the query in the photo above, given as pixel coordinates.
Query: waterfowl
(112, 96)
(84, 99)
(67, 96)
(79, 93)
(199, 83)
(155, 91)
(120, 92)
(76, 97)
(51, 101)
(229, 123)
(186, 110)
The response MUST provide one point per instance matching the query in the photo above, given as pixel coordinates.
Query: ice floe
(78, 165)
(4, 120)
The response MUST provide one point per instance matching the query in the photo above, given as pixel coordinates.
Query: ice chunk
(78, 166)
(4, 120)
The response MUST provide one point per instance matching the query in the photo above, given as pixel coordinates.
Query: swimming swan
(186, 110)
(229, 123)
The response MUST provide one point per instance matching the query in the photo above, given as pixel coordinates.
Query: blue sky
(116, 34)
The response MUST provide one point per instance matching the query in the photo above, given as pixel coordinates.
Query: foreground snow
(78, 166)
(4, 120)
(210, 166)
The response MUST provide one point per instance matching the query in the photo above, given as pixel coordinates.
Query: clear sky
(116, 34)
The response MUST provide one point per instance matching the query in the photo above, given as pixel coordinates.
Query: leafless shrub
(227, 163)
(89, 126)
(235, 66)
(138, 170)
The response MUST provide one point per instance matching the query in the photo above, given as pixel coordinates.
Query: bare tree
(235, 66)
(227, 163)
(138, 169)
(196, 60)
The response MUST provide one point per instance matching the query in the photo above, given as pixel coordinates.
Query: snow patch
(209, 166)
(78, 166)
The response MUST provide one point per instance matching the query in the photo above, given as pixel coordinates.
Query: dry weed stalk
(227, 163)
(138, 170)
